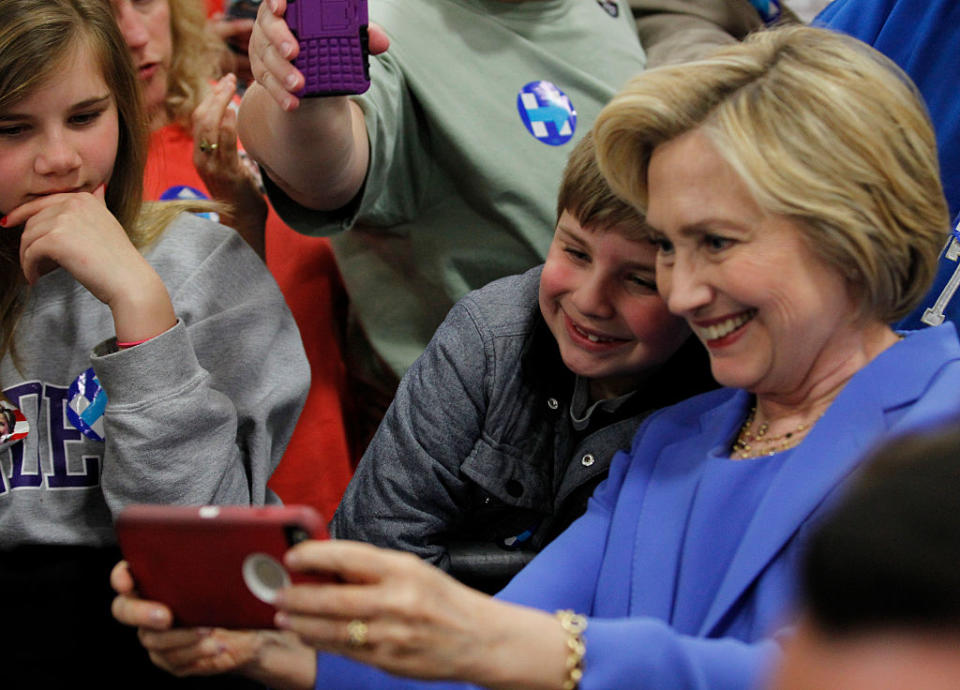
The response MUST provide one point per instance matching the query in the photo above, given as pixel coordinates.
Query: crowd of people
(614, 338)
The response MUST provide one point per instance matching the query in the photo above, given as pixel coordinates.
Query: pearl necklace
(743, 448)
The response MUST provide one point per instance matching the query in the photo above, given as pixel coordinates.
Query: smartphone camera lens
(296, 534)
(264, 576)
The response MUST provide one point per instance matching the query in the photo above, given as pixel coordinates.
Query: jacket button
(552, 403)
(587, 460)
(514, 488)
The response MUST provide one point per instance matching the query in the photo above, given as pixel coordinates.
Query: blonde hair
(36, 37)
(585, 194)
(822, 129)
(196, 60)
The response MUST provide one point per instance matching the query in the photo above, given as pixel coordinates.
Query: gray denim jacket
(477, 464)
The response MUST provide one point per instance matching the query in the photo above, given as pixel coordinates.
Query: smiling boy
(503, 427)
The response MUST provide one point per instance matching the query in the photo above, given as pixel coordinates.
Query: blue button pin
(547, 112)
(86, 403)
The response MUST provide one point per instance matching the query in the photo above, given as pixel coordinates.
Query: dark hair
(888, 557)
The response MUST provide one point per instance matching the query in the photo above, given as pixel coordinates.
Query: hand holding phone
(215, 565)
(334, 45)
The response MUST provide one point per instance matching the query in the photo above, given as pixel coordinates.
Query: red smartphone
(334, 45)
(215, 565)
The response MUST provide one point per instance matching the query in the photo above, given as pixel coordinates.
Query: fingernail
(291, 81)
(281, 619)
(158, 616)
(286, 49)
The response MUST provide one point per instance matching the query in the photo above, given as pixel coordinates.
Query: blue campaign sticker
(86, 403)
(182, 192)
(547, 112)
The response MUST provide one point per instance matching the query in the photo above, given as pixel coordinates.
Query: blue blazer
(619, 563)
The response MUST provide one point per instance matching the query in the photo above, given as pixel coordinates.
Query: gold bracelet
(573, 624)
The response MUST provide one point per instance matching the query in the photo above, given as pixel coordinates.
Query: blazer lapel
(652, 523)
(854, 422)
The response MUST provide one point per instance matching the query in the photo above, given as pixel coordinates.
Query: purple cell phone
(334, 53)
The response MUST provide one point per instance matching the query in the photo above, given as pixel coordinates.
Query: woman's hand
(396, 612)
(277, 659)
(273, 46)
(77, 232)
(228, 178)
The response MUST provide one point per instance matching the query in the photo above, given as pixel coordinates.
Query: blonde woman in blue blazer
(792, 186)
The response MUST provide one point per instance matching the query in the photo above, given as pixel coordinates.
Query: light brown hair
(196, 60)
(36, 36)
(585, 194)
(822, 129)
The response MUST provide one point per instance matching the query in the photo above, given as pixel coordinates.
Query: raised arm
(314, 149)
(226, 384)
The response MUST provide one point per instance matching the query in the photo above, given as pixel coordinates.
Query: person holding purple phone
(441, 177)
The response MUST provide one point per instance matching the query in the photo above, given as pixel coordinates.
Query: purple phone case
(334, 55)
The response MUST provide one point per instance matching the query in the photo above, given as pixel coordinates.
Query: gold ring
(357, 633)
(206, 147)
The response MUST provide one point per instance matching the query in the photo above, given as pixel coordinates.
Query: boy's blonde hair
(822, 129)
